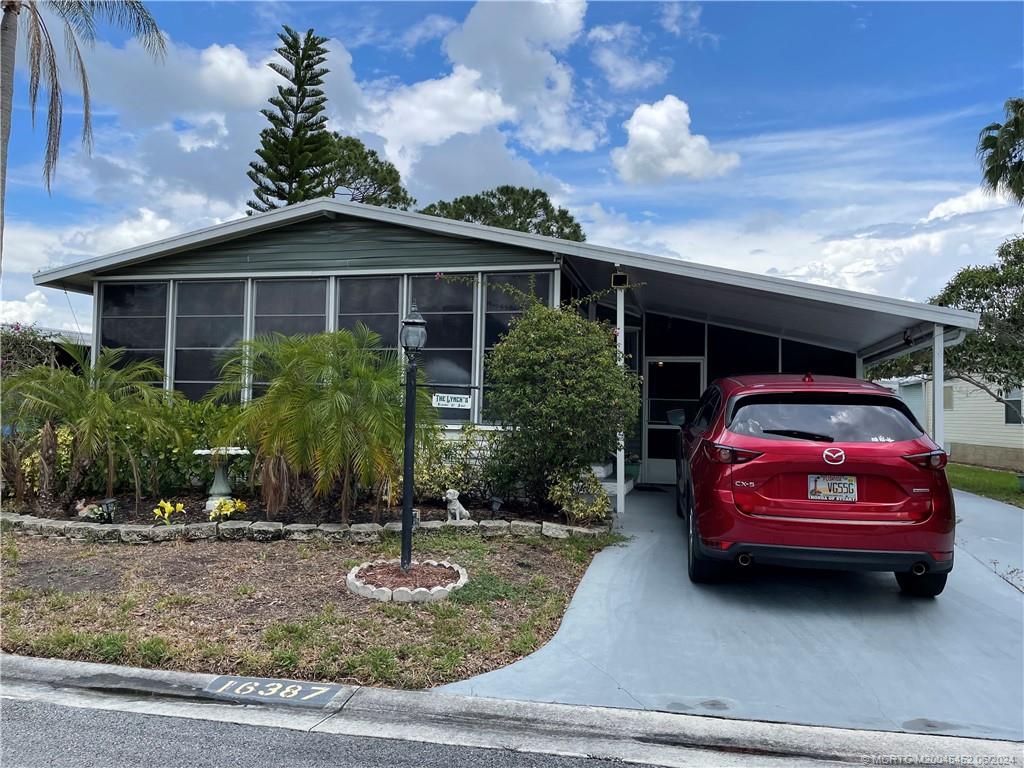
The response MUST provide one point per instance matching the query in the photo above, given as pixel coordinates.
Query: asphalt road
(38, 735)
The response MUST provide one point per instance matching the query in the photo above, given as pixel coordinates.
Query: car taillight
(930, 460)
(725, 454)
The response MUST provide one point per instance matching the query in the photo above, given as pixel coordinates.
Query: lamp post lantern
(413, 338)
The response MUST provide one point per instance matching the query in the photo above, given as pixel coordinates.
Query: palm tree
(79, 19)
(1001, 151)
(331, 414)
(101, 404)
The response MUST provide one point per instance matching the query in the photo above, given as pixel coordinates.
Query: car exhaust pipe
(918, 569)
(744, 559)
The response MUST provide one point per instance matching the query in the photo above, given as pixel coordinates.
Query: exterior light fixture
(413, 336)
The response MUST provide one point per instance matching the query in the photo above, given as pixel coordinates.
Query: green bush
(559, 391)
(580, 496)
(458, 462)
(166, 464)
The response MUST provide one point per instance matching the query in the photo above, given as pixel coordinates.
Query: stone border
(263, 531)
(403, 594)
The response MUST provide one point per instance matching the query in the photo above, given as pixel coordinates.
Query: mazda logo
(834, 455)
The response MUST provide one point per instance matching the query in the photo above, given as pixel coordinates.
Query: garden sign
(445, 400)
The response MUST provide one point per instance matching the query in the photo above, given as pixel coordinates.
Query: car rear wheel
(925, 585)
(680, 509)
(701, 569)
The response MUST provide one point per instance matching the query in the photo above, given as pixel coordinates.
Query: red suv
(813, 472)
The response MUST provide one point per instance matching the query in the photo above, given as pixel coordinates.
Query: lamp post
(413, 338)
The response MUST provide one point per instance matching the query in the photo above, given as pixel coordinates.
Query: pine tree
(296, 147)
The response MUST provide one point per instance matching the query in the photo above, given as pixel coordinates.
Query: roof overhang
(875, 327)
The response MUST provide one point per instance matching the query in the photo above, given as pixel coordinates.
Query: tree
(993, 357)
(363, 176)
(557, 387)
(98, 403)
(79, 19)
(332, 415)
(296, 148)
(1001, 151)
(526, 210)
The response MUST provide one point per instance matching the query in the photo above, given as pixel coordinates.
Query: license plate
(832, 487)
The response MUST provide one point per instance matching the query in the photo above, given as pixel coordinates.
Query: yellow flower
(179, 507)
(240, 506)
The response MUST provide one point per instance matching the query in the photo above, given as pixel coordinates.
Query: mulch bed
(282, 609)
(392, 576)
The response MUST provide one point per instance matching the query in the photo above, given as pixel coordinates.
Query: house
(327, 264)
(979, 429)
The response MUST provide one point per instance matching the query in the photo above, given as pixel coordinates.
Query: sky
(827, 142)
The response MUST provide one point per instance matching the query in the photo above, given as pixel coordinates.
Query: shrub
(30, 464)
(99, 403)
(580, 496)
(458, 463)
(559, 391)
(22, 346)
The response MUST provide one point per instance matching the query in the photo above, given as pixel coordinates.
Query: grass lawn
(993, 483)
(282, 609)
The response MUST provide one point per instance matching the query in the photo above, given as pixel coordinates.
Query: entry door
(669, 383)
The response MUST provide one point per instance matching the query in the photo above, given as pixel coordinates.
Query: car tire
(700, 568)
(680, 508)
(926, 585)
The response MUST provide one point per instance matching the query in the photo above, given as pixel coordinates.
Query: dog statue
(455, 509)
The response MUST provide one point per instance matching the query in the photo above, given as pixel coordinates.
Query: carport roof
(871, 325)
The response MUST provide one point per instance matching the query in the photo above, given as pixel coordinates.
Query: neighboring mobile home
(326, 264)
(979, 429)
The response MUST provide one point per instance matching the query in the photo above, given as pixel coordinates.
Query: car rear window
(824, 417)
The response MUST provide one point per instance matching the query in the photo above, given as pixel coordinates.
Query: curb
(427, 716)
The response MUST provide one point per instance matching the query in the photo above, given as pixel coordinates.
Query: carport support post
(620, 454)
(938, 382)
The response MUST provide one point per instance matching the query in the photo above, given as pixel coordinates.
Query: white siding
(976, 418)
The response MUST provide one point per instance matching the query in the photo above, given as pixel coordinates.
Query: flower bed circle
(426, 582)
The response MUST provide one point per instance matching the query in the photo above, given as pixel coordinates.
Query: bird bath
(221, 488)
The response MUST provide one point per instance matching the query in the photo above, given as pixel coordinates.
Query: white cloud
(683, 20)
(660, 146)
(29, 247)
(444, 171)
(432, 111)
(513, 46)
(906, 259)
(33, 309)
(143, 91)
(617, 53)
(429, 28)
(974, 201)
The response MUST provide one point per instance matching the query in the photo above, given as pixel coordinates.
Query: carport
(683, 324)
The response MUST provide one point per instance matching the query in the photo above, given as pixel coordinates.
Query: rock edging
(404, 594)
(265, 531)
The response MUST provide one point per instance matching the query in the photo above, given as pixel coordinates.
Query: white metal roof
(872, 324)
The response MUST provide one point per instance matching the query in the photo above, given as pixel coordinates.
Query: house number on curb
(270, 691)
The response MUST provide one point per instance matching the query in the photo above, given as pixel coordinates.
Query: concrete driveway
(815, 647)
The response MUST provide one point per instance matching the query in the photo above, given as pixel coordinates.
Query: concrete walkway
(814, 647)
